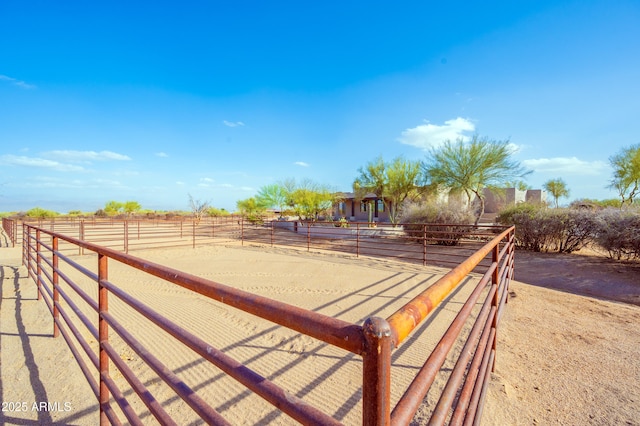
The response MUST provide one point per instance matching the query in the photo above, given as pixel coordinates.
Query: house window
(342, 208)
(363, 206)
(380, 206)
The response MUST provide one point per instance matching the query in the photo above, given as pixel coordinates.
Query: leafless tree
(198, 208)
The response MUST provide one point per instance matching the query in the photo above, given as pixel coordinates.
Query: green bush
(454, 220)
(40, 213)
(216, 212)
(542, 229)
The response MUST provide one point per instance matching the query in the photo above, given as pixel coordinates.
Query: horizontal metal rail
(436, 244)
(374, 340)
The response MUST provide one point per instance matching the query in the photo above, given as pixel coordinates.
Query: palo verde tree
(309, 199)
(112, 208)
(626, 174)
(131, 207)
(275, 195)
(252, 209)
(557, 188)
(470, 167)
(392, 182)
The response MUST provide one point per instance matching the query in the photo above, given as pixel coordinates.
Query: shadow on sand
(584, 275)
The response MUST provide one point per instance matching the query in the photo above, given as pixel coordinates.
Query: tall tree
(274, 196)
(250, 208)
(112, 208)
(392, 182)
(626, 173)
(557, 188)
(470, 167)
(131, 207)
(310, 199)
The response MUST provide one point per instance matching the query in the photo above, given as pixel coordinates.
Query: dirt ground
(569, 344)
(568, 348)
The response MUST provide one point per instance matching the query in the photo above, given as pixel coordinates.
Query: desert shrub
(342, 223)
(216, 212)
(40, 213)
(523, 216)
(542, 229)
(454, 220)
(619, 233)
(254, 218)
(611, 202)
(585, 203)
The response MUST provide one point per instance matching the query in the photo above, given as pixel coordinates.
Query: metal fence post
(376, 372)
(126, 236)
(424, 245)
(38, 264)
(496, 300)
(103, 336)
(273, 230)
(357, 239)
(26, 233)
(81, 237)
(56, 295)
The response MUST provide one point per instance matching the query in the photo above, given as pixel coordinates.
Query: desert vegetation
(614, 231)
(308, 200)
(470, 167)
(415, 192)
(452, 221)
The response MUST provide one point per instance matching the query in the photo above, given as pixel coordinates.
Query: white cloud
(301, 164)
(233, 124)
(162, 154)
(565, 165)
(17, 82)
(206, 182)
(15, 160)
(85, 156)
(429, 135)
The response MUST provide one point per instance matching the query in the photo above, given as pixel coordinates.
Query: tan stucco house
(360, 209)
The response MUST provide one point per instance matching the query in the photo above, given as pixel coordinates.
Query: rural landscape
(335, 213)
(572, 282)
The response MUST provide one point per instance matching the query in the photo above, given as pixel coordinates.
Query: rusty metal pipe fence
(10, 228)
(440, 245)
(374, 341)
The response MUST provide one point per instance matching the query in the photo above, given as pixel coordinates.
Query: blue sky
(153, 101)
